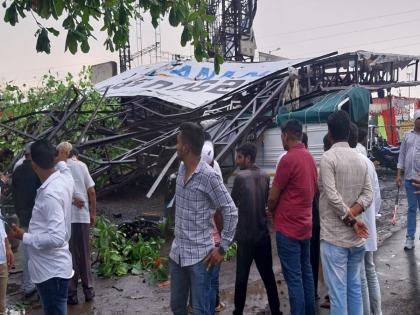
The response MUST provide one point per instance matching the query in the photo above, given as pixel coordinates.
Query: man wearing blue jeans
(50, 264)
(193, 257)
(345, 191)
(290, 202)
(409, 162)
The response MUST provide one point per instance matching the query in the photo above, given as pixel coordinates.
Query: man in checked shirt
(199, 192)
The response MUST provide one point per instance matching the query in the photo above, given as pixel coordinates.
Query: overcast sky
(300, 28)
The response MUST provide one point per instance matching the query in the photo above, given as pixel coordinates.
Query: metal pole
(93, 116)
(409, 77)
(390, 113)
(160, 177)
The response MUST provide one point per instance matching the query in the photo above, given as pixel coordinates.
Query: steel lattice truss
(136, 138)
(233, 25)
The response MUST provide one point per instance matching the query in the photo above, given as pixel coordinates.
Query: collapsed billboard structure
(137, 138)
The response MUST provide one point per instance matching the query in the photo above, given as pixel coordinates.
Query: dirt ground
(135, 295)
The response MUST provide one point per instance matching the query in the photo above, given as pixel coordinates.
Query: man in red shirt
(290, 202)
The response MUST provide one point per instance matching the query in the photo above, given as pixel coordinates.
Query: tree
(115, 15)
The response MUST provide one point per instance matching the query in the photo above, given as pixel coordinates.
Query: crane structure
(232, 29)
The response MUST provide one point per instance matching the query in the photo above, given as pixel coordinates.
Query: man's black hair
(353, 135)
(362, 135)
(43, 154)
(73, 152)
(293, 128)
(327, 143)
(305, 139)
(248, 150)
(193, 135)
(207, 136)
(339, 125)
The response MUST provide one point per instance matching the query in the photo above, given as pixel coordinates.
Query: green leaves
(85, 46)
(43, 42)
(71, 42)
(11, 15)
(186, 36)
(218, 60)
(173, 17)
(53, 31)
(231, 252)
(68, 23)
(119, 256)
(79, 35)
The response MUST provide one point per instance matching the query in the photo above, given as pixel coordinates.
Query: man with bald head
(83, 214)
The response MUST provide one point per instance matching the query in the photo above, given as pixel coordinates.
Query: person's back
(345, 192)
(82, 182)
(250, 196)
(369, 216)
(25, 184)
(371, 292)
(350, 174)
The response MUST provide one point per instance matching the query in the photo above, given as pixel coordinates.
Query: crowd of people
(321, 215)
(55, 201)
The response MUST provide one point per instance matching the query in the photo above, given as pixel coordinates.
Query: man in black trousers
(250, 193)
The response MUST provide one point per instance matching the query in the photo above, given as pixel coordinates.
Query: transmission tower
(125, 58)
(232, 29)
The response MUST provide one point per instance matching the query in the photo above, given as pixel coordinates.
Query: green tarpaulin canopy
(354, 100)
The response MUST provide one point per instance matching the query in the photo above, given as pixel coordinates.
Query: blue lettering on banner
(228, 74)
(250, 74)
(183, 72)
(204, 74)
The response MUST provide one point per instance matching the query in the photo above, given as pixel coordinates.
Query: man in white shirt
(361, 139)
(371, 292)
(50, 264)
(6, 263)
(82, 216)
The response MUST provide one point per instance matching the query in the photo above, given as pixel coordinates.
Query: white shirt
(3, 236)
(217, 169)
(369, 216)
(280, 157)
(50, 228)
(82, 182)
(361, 149)
(18, 163)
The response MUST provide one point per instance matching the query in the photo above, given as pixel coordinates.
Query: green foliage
(119, 256)
(22, 108)
(115, 16)
(18, 101)
(231, 252)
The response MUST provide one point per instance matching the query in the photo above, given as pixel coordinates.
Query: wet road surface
(398, 272)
